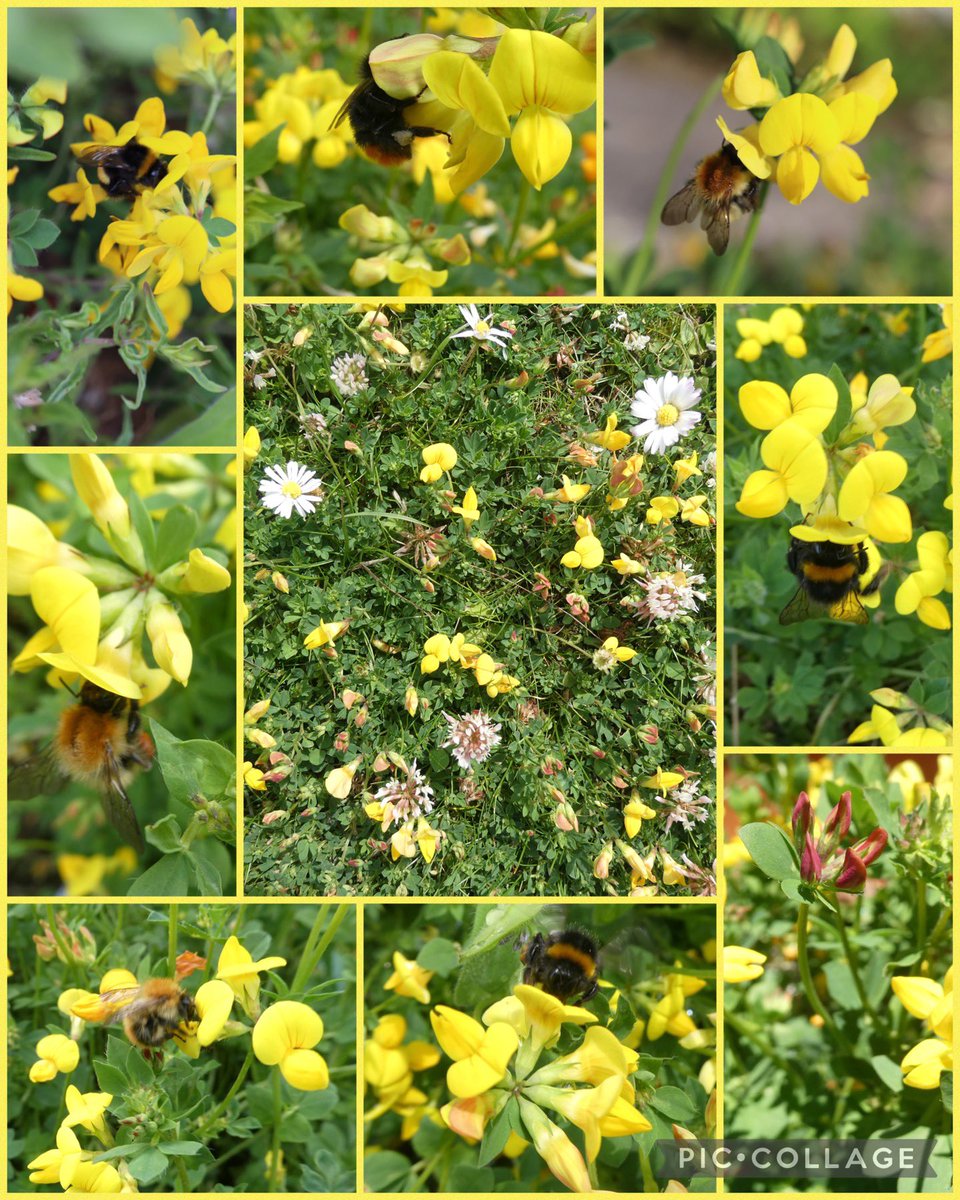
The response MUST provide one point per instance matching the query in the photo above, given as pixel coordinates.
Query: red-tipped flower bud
(810, 865)
(853, 873)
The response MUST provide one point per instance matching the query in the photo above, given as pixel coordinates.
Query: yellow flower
(468, 510)
(285, 1035)
(325, 634)
(253, 778)
(885, 404)
(865, 499)
(570, 493)
(918, 591)
(663, 781)
(408, 979)
(692, 510)
(792, 131)
(609, 437)
(741, 965)
(635, 813)
(685, 468)
(439, 458)
(214, 1001)
(583, 1107)
(416, 278)
(236, 967)
(940, 343)
(340, 780)
(626, 565)
(812, 403)
(555, 1148)
(797, 471)
(203, 58)
(620, 653)
(662, 508)
(540, 77)
(96, 488)
(932, 1003)
(251, 445)
(170, 645)
(436, 650)
(484, 549)
(588, 552)
(55, 1053)
(744, 86)
(480, 1056)
(84, 194)
(20, 287)
(31, 545)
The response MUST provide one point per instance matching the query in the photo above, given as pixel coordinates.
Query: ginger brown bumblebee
(98, 743)
(151, 1013)
(377, 119)
(721, 187)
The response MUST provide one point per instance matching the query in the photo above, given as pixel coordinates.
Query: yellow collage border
(361, 903)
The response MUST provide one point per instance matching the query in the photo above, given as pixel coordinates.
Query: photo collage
(479, 520)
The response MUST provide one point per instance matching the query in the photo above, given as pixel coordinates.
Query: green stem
(172, 941)
(183, 1177)
(805, 974)
(215, 97)
(649, 1179)
(518, 214)
(921, 915)
(274, 1179)
(208, 1122)
(731, 285)
(852, 964)
(313, 952)
(639, 267)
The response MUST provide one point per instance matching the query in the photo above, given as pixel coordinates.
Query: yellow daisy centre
(292, 489)
(483, 327)
(668, 414)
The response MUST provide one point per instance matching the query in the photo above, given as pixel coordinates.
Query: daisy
(664, 407)
(481, 328)
(290, 489)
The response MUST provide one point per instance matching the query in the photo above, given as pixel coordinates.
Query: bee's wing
(364, 86)
(800, 608)
(123, 1002)
(40, 775)
(850, 610)
(95, 155)
(716, 222)
(682, 206)
(117, 806)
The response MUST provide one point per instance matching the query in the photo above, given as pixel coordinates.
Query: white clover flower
(621, 321)
(349, 375)
(635, 341)
(481, 328)
(665, 409)
(472, 738)
(671, 594)
(290, 489)
(407, 798)
(684, 807)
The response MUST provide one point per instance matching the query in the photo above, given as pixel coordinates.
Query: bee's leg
(590, 992)
(426, 131)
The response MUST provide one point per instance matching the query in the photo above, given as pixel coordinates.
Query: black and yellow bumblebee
(833, 577)
(721, 188)
(122, 171)
(378, 120)
(564, 964)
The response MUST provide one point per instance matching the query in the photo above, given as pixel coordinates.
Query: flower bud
(361, 718)
(110, 511)
(484, 549)
(280, 582)
(853, 873)
(251, 446)
(810, 865)
(350, 698)
(872, 846)
(397, 65)
(601, 864)
(565, 818)
(411, 700)
(365, 224)
(256, 711)
(649, 734)
(171, 646)
(801, 820)
(838, 823)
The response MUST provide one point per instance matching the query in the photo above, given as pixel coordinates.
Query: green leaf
(386, 1171)
(28, 154)
(840, 985)
(844, 412)
(149, 1165)
(262, 155)
(181, 1149)
(261, 214)
(439, 955)
(215, 426)
(193, 767)
(946, 1090)
(176, 536)
(208, 878)
(43, 234)
(771, 850)
(23, 222)
(673, 1103)
(773, 63)
(466, 1178)
(497, 1132)
(110, 1079)
(144, 525)
(168, 877)
(165, 835)
(191, 357)
(888, 1071)
(496, 923)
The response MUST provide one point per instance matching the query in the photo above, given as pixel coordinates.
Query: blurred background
(896, 241)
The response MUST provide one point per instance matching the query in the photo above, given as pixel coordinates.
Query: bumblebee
(152, 1013)
(832, 577)
(122, 171)
(564, 964)
(98, 743)
(379, 126)
(721, 188)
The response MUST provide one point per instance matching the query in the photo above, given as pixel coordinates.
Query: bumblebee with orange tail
(565, 965)
(721, 187)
